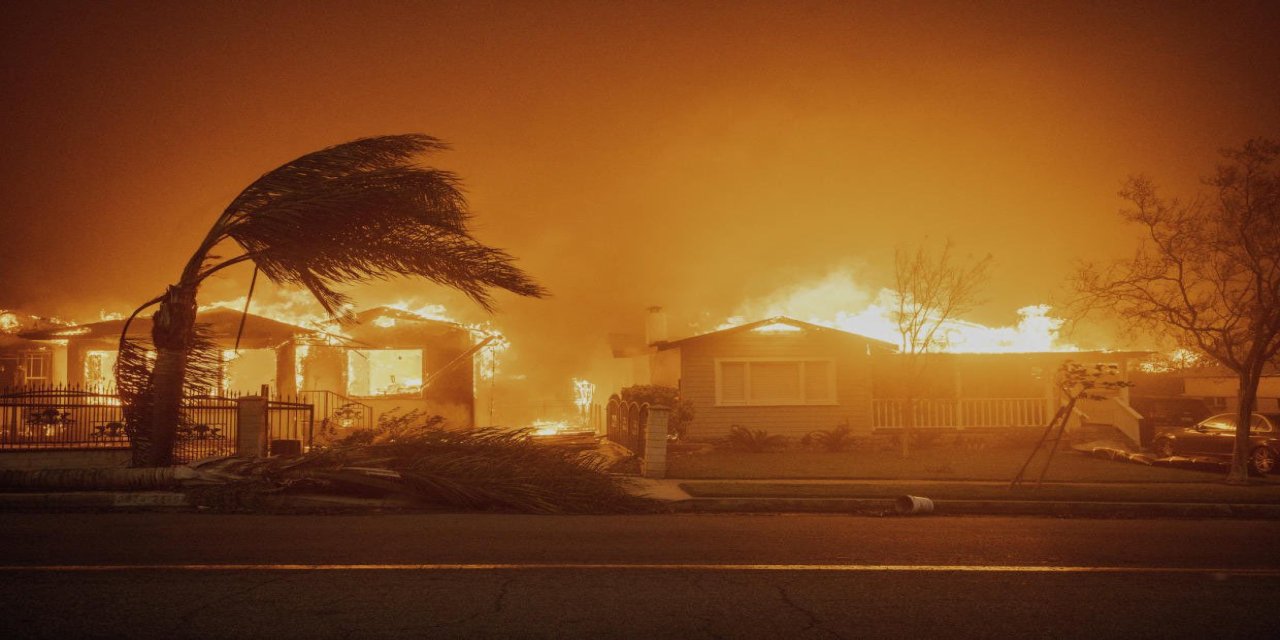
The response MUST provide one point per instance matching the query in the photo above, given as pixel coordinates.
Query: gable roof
(880, 345)
(369, 316)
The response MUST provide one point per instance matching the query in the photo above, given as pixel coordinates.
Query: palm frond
(363, 210)
(483, 469)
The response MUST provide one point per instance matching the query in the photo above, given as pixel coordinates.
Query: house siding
(853, 383)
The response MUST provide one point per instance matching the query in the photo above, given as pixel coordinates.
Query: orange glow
(837, 301)
(550, 427)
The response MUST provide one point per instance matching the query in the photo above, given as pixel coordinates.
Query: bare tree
(346, 214)
(933, 289)
(1207, 274)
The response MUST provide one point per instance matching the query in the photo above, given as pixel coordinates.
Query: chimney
(655, 326)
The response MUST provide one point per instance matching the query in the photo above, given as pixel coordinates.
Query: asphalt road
(682, 576)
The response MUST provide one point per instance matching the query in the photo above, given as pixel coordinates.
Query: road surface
(677, 576)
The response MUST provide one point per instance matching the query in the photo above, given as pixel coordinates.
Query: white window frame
(27, 358)
(830, 400)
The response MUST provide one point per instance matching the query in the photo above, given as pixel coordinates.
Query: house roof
(11, 341)
(369, 316)
(223, 325)
(777, 320)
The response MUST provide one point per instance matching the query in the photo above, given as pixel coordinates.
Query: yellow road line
(554, 566)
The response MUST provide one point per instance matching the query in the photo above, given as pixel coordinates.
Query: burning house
(391, 359)
(780, 374)
(85, 355)
(387, 360)
(791, 377)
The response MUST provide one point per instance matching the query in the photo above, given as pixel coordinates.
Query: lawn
(936, 463)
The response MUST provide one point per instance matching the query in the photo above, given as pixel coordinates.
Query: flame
(9, 321)
(836, 301)
(290, 306)
(1176, 360)
(584, 392)
(428, 311)
(549, 427)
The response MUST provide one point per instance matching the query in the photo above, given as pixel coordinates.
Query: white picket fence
(963, 413)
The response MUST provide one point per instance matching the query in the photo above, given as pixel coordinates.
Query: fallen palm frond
(482, 469)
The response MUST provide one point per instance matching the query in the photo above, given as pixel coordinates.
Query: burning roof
(780, 324)
(223, 325)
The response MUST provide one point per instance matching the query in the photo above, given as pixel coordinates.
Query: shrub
(754, 440)
(834, 440)
(681, 410)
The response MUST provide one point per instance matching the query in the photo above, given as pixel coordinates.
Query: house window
(37, 367)
(99, 369)
(384, 372)
(775, 382)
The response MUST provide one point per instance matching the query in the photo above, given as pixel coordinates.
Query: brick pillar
(251, 427)
(655, 443)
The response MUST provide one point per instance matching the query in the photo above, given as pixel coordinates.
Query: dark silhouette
(1208, 274)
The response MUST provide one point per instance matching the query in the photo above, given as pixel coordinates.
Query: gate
(627, 423)
(289, 421)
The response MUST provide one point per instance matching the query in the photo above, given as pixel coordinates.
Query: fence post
(251, 427)
(654, 464)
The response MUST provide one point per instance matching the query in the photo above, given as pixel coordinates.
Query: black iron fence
(208, 428)
(290, 426)
(59, 418)
(336, 411)
(626, 423)
(55, 417)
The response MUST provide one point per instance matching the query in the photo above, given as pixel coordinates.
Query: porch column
(251, 427)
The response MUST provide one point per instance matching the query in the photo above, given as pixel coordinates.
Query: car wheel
(1262, 461)
(1163, 448)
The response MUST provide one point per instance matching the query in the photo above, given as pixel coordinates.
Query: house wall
(853, 383)
(664, 368)
(1221, 392)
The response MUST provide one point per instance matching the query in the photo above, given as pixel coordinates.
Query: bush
(834, 440)
(754, 441)
(681, 410)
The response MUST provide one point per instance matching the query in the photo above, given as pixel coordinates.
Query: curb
(885, 506)
(94, 500)
(170, 501)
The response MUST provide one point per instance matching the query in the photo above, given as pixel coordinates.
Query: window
(384, 372)
(99, 369)
(36, 367)
(775, 382)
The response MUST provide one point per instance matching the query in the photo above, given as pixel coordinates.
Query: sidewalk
(1131, 500)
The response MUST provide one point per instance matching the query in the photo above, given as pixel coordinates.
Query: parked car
(1216, 436)
(1164, 413)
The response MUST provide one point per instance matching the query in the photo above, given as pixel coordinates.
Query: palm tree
(342, 215)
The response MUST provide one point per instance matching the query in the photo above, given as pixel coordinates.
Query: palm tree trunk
(172, 331)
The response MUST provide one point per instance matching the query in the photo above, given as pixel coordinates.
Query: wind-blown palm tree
(346, 214)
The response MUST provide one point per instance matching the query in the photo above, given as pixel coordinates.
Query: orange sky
(692, 154)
